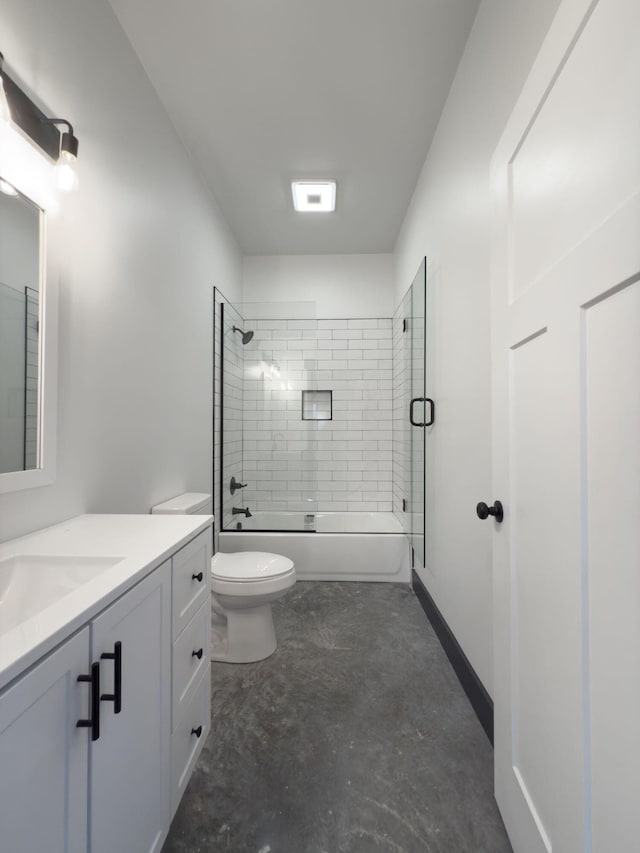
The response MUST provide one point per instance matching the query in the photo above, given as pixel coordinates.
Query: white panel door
(130, 777)
(566, 355)
(43, 755)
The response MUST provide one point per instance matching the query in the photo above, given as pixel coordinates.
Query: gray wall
(339, 285)
(449, 222)
(140, 246)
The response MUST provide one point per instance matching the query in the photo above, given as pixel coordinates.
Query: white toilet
(243, 585)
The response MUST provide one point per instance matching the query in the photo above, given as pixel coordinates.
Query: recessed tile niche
(317, 406)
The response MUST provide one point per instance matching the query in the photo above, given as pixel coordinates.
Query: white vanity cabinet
(191, 662)
(110, 784)
(44, 757)
(129, 796)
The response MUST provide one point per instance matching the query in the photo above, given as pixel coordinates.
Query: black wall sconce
(68, 154)
(5, 111)
(19, 109)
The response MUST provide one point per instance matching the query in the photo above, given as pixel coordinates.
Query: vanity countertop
(124, 548)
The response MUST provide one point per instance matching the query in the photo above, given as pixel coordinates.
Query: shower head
(246, 336)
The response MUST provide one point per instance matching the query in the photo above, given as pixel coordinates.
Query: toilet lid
(249, 565)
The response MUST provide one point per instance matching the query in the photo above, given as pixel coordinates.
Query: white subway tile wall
(342, 464)
(401, 396)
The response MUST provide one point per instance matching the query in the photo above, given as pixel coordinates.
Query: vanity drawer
(191, 578)
(187, 666)
(186, 746)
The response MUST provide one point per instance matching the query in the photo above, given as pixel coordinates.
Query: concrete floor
(354, 737)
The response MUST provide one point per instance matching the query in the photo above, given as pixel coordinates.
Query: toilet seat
(246, 566)
(251, 573)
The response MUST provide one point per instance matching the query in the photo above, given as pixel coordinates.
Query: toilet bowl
(243, 585)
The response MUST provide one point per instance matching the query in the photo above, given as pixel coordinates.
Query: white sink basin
(31, 583)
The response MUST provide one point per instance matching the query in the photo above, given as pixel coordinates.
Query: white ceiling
(264, 91)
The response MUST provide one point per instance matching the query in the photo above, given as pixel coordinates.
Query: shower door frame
(219, 370)
(221, 473)
(221, 486)
(417, 442)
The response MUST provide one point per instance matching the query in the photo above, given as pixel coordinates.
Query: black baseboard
(471, 684)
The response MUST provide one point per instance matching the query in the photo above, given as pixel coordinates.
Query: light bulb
(65, 173)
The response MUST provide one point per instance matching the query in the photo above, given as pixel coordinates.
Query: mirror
(21, 277)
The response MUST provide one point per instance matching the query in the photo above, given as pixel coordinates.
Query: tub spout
(238, 511)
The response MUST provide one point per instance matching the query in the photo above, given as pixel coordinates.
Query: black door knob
(483, 511)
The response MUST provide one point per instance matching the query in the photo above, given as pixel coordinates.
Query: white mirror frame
(32, 173)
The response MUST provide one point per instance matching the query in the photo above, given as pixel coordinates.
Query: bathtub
(331, 546)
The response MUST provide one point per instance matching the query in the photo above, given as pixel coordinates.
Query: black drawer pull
(197, 732)
(93, 722)
(197, 654)
(197, 577)
(116, 696)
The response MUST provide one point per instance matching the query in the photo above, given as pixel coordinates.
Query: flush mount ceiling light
(314, 196)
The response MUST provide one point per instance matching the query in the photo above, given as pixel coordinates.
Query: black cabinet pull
(93, 722)
(116, 696)
(197, 654)
(497, 511)
(197, 732)
(197, 577)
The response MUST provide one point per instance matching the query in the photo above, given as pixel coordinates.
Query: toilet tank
(191, 503)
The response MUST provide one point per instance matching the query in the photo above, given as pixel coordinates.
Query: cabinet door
(43, 755)
(129, 802)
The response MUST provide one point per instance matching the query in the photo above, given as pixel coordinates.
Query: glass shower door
(233, 342)
(420, 415)
(268, 457)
